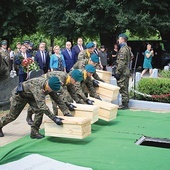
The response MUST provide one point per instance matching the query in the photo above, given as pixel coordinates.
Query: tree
(16, 19)
(104, 19)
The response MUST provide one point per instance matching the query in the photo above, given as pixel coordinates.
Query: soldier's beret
(18, 43)
(90, 68)
(94, 58)
(26, 41)
(90, 45)
(54, 83)
(31, 44)
(123, 36)
(4, 42)
(77, 75)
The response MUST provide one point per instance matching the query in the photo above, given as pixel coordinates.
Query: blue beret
(94, 58)
(90, 68)
(4, 42)
(77, 75)
(90, 45)
(54, 83)
(123, 36)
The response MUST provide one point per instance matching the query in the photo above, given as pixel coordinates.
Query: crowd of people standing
(69, 70)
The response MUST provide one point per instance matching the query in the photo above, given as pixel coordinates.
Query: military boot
(35, 134)
(29, 120)
(1, 133)
(124, 106)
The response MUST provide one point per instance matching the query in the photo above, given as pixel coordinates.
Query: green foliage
(72, 19)
(154, 86)
(17, 18)
(164, 74)
(38, 37)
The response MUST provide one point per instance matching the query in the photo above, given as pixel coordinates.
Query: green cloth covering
(110, 146)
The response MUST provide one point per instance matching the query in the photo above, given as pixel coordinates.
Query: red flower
(24, 62)
(30, 60)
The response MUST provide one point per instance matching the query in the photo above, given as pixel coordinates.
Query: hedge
(159, 88)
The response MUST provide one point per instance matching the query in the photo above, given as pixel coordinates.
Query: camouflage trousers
(65, 96)
(123, 83)
(17, 105)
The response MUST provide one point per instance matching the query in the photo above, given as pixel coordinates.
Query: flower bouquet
(29, 65)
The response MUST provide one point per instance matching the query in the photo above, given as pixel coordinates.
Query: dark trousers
(22, 77)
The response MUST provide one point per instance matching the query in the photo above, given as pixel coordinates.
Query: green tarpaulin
(110, 146)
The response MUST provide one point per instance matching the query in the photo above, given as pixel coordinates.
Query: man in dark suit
(79, 47)
(42, 58)
(18, 61)
(69, 56)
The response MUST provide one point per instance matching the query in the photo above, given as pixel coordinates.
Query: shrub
(158, 88)
(164, 74)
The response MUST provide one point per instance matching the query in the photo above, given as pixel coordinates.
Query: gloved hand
(98, 97)
(71, 107)
(80, 101)
(95, 83)
(90, 102)
(68, 114)
(117, 76)
(102, 80)
(58, 120)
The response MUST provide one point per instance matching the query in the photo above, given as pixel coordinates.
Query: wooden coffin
(84, 110)
(107, 111)
(73, 127)
(105, 75)
(107, 91)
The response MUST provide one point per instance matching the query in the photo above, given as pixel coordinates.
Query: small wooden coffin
(84, 110)
(105, 75)
(107, 111)
(107, 91)
(73, 127)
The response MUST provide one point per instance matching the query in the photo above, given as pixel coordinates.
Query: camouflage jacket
(4, 64)
(83, 60)
(86, 86)
(33, 90)
(67, 92)
(123, 60)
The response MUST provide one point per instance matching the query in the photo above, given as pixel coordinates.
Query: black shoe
(68, 114)
(36, 135)
(1, 133)
(123, 107)
(29, 121)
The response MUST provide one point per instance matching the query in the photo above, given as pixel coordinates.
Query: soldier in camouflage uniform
(67, 92)
(33, 92)
(84, 56)
(123, 71)
(4, 61)
(87, 85)
(84, 59)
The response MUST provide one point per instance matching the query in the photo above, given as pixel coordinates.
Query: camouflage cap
(18, 43)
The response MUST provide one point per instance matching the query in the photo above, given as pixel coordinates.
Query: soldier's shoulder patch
(121, 55)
